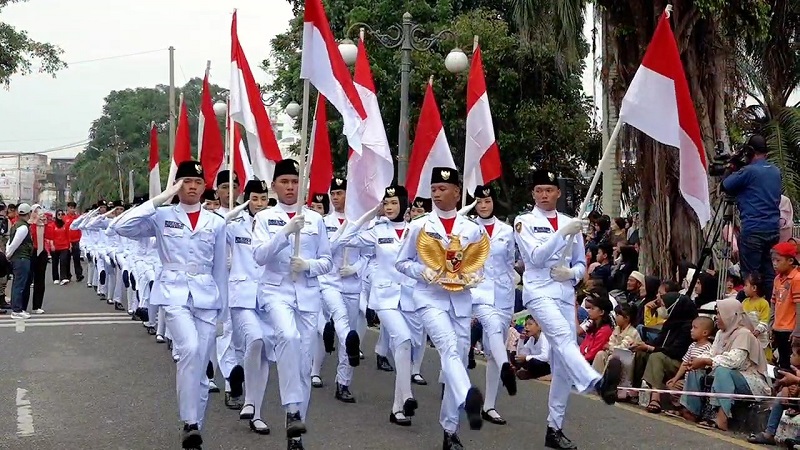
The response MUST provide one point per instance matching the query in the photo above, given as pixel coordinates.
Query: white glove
(295, 224)
(235, 211)
(463, 211)
(347, 271)
(472, 280)
(574, 226)
(429, 274)
(298, 264)
(561, 273)
(168, 193)
(369, 215)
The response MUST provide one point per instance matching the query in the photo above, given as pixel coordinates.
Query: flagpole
(231, 171)
(312, 141)
(607, 154)
(201, 119)
(464, 177)
(302, 162)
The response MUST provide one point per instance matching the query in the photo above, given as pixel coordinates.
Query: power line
(106, 58)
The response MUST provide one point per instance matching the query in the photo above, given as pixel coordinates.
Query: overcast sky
(39, 112)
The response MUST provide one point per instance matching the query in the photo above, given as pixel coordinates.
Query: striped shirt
(696, 351)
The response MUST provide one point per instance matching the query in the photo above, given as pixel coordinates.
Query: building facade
(22, 176)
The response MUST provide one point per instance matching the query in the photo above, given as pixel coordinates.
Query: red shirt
(448, 224)
(489, 229)
(59, 236)
(595, 341)
(48, 233)
(193, 216)
(553, 222)
(74, 235)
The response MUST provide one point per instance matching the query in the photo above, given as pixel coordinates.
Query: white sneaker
(56, 281)
(63, 282)
(17, 316)
(38, 311)
(25, 315)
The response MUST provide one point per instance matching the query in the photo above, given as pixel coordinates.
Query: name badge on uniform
(542, 230)
(330, 229)
(434, 234)
(278, 222)
(171, 224)
(242, 240)
(385, 241)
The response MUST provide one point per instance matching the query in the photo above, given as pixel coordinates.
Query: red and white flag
(321, 170)
(241, 164)
(370, 170)
(154, 183)
(481, 153)
(659, 104)
(247, 109)
(183, 143)
(430, 149)
(323, 66)
(210, 149)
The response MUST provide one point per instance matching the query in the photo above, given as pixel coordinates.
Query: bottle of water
(644, 397)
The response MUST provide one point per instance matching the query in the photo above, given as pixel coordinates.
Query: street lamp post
(407, 37)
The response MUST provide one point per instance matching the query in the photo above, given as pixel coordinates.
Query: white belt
(191, 268)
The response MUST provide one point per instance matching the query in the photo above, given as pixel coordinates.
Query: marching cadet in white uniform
(341, 289)
(445, 314)
(191, 285)
(248, 315)
(392, 295)
(549, 295)
(289, 289)
(419, 207)
(324, 339)
(493, 302)
(229, 349)
(210, 200)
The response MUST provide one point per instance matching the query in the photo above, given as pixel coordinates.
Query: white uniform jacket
(245, 272)
(540, 248)
(193, 261)
(346, 285)
(497, 288)
(273, 249)
(389, 289)
(408, 263)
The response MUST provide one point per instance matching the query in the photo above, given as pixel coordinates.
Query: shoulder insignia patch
(518, 227)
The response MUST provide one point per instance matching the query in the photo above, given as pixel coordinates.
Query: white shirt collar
(549, 214)
(190, 208)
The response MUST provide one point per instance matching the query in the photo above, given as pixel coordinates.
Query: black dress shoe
(316, 381)
(451, 442)
(417, 379)
(232, 402)
(191, 437)
(492, 419)
(210, 370)
(383, 364)
(410, 407)
(295, 444)
(328, 333)
(343, 394)
(247, 415)
(402, 421)
(351, 346)
(471, 364)
(259, 426)
(473, 405)
(508, 378)
(607, 387)
(294, 426)
(236, 380)
(556, 439)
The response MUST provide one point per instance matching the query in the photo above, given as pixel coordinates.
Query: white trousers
(294, 331)
(401, 329)
(229, 348)
(100, 264)
(257, 335)
(344, 309)
(450, 335)
(91, 274)
(317, 345)
(192, 332)
(495, 323)
(569, 368)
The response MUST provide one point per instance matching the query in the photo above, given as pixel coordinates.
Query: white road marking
(24, 414)
(62, 324)
(45, 318)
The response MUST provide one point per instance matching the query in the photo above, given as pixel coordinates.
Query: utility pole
(171, 101)
(117, 145)
(19, 177)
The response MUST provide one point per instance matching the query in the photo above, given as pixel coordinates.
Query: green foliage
(18, 51)
(540, 114)
(125, 127)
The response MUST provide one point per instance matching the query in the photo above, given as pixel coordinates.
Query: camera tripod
(721, 255)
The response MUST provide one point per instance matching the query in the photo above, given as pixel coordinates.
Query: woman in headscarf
(737, 364)
(660, 361)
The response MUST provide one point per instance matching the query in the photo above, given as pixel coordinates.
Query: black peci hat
(255, 187)
(189, 169)
(338, 184)
(224, 176)
(542, 178)
(395, 191)
(424, 203)
(445, 175)
(286, 167)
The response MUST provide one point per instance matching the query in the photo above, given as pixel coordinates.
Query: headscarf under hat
(424, 203)
(324, 200)
(210, 195)
(402, 196)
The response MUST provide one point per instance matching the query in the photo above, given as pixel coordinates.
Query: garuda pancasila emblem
(455, 267)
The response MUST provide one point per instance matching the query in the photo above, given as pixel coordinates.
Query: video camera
(725, 162)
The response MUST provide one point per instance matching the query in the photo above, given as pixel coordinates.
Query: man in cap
(191, 286)
(289, 289)
(549, 295)
(249, 318)
(324, 339)
(341, 289)
(19, 252)
(446, 315)
(224, 187)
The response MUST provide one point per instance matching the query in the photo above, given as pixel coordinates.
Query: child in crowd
(533, 357)
(702, 330)
(600, 328)
(785, 296)
(623, 337)
(788, 389)
(757, 309)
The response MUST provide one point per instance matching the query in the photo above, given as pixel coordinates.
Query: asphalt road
(85, 377)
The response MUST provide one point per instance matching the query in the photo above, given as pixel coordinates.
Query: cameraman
(757, 188)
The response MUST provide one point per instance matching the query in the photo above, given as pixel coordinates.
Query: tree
(17, 51)
(124, 128)
(541, 117)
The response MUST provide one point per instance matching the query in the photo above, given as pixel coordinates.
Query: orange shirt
(785, 294)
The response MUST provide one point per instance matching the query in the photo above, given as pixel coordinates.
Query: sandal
(708, 425)
(654, 407)
(761, 438)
